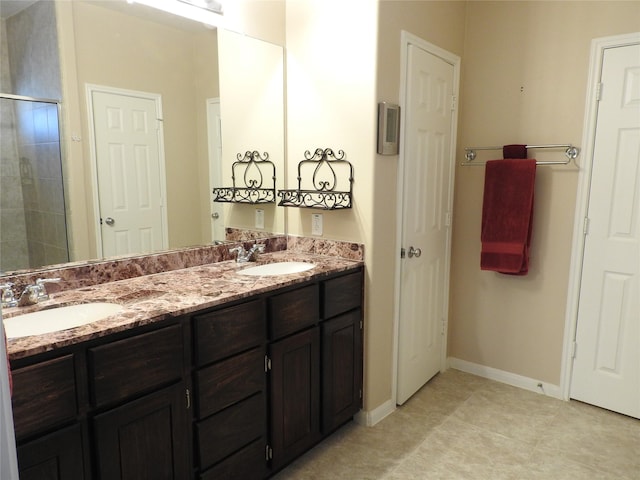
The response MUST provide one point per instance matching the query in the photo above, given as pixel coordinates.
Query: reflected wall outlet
(316, 224)
(259, 218)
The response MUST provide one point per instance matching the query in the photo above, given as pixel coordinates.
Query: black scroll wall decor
(325, 181)
(254, 169)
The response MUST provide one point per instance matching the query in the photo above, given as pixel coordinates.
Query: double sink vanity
(213, 371)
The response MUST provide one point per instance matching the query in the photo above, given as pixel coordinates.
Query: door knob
(109, 221)
(414, 252)
(215, 215)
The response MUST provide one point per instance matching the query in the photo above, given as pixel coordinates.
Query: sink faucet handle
(8, 298)
(42, 289)
(241, 253)
(256, 249)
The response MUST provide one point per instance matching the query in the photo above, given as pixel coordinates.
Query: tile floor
(460, 426)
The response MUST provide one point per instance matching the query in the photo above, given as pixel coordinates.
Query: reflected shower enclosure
(33, 229)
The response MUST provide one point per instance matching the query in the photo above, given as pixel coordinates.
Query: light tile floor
(460, 426)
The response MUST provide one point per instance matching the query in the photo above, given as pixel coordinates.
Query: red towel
(507, 213)
(514, 151)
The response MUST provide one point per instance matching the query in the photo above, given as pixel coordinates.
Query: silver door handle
(414, 252)
(215, 215)
(109, 221)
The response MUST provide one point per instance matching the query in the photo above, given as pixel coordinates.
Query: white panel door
(606, 369)
(128, 167)
(427, 181)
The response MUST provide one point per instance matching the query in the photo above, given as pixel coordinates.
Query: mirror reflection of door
(214, 139)
(129, 167)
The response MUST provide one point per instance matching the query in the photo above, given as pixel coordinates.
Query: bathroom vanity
(234, 385)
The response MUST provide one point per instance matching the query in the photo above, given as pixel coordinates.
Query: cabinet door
(341, 369)
(57, 456)
(146, 439)
(295, 395)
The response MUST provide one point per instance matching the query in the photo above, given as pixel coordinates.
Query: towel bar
(570, 151)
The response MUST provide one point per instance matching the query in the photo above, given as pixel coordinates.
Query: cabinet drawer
(341, 294)
(293, 311)
(230, 430)
(230, 381)
(247, 464)
(127, 367)
(228, 331)
(44, 395)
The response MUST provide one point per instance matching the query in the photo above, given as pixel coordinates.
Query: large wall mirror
(200, 75)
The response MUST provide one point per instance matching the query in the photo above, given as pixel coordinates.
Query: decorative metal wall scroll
(252, 167)
(325, 173)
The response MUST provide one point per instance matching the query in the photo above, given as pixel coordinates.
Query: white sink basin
(55, 319)
(278, 268)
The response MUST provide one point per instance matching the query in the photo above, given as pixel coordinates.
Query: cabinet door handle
(188, 395)
(268, 453)
(267, 364)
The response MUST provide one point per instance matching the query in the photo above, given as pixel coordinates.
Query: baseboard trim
(369, 418)
(509, 378)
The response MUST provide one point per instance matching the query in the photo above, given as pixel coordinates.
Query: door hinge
(574, 348)
(403, 252)
(599, 92)
(268, 453)
(454, 102)
(447, 219)
(585, 226)
(267, 363)
(188, 398)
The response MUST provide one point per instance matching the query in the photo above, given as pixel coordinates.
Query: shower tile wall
(41, 178)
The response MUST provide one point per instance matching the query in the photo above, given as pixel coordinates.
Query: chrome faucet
(8, 299)
(243, 256)
(35, 293)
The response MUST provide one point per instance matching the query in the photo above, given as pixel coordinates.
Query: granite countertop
(152, 298)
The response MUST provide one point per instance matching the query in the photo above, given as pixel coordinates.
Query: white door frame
(598, 47)
(407, 39)
(215, 178)
(157, 98)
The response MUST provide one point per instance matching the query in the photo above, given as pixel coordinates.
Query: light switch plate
(316, 224)
(259, 218)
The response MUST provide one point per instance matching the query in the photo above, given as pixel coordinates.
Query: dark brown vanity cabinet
(140, 429)
(274, 375)
(109, 409)
(230, 421)
(342, 355)
(233, 392)
(316, 367)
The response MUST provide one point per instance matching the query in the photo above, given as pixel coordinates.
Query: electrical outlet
(259, 218)
(316, 224)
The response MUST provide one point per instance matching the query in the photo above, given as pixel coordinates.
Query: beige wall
(524, 80)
